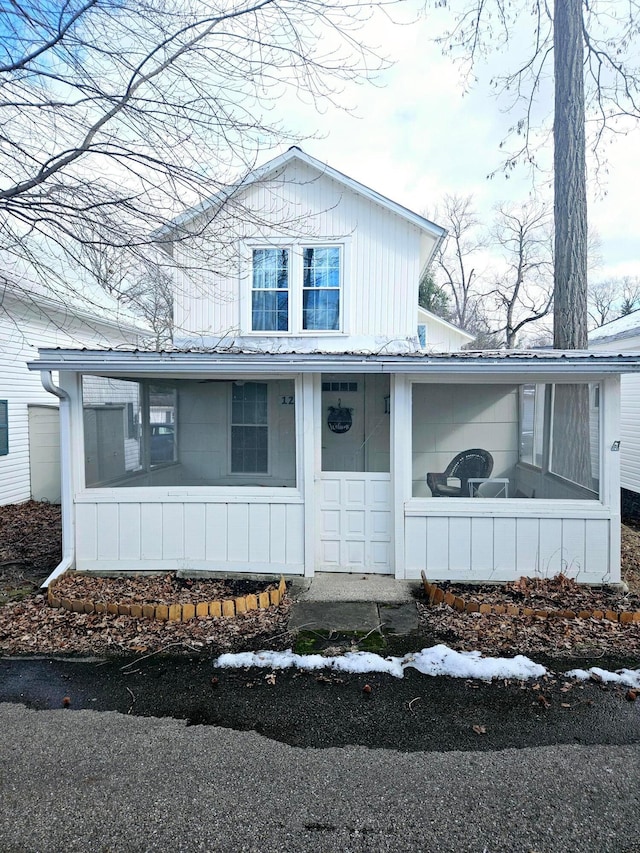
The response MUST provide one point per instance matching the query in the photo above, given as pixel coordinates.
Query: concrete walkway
(333, 602)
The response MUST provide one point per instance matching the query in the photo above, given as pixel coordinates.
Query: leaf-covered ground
(30, 549)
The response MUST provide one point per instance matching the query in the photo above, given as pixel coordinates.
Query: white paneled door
(354, 522)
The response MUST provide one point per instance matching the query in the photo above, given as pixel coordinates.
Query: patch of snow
(439, 660)
(628, 677)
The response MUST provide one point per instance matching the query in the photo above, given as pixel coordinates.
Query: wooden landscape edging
(438, 596)
(221, 607)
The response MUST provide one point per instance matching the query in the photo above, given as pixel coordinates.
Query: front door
(353, 487)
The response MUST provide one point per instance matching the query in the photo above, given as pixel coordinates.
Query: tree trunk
(570, 202)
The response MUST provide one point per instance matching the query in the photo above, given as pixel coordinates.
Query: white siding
(255, 533)
(504, 543)
(440, 336)
(382, 256)
(629, 415)
(22, 330)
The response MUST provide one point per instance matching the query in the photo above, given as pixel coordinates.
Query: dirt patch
(30, 547)
(630, 556)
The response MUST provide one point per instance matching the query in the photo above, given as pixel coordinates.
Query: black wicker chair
(469, 463)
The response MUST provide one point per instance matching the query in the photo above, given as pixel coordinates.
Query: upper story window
(321, 289)
(296, 290)
(270, 296)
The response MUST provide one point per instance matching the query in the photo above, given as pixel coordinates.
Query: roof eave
(122, 362)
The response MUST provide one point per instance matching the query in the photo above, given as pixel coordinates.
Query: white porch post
(307, 442)
(400, 465)
(610, 467)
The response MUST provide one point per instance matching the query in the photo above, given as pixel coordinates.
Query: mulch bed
(153, 589)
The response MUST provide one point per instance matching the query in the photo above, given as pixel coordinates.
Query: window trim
(295, 289)
(4, 427)
(267, 426)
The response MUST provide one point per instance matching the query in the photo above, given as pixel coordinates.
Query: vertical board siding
(243, 537)
(86, 532)
(151, 531)
(195, 532)
(216, 533)
(597, 537)
(482, 548)
(108, 532)
(129, 532)
(382, 259)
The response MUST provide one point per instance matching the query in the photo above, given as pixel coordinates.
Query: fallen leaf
(480, 730)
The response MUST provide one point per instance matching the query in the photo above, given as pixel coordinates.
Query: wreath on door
(340, 418)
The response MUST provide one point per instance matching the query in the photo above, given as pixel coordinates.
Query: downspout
(66, 493)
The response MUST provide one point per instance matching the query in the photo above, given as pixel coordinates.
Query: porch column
(309, 447)
(400, 464)
(610, 467)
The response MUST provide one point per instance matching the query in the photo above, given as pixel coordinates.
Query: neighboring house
(310, 412)
(29, 423)
(623, 335)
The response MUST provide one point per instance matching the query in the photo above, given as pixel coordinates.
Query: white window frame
(267, 426)
(295, 290)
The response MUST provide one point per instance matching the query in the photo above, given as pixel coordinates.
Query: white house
(31, 317)
(312, 418)
(623, 335)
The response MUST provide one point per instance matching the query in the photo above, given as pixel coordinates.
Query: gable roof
(445, 323)
(616, 330)
(85, 302)
(266, 171)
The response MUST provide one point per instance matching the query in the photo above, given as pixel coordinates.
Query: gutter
(66, 494)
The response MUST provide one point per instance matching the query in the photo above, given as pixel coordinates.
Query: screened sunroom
(465, 466)
(530, 440)
(182, 432)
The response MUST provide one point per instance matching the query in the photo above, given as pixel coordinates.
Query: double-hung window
(296, 289)
(321, 289)
(249, 429)
(270, 290)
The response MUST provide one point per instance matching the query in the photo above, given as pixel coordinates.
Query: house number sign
(287, 400)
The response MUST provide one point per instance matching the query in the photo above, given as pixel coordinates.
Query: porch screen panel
(112, 431)
(575, 434)
(356, 415)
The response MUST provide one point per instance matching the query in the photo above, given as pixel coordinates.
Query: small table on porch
(502, 482)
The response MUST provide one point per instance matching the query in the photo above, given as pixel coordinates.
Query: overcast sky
(417, 136)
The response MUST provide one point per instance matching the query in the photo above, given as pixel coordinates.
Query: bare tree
(118, 114)
(456, 266)
(595, 72)
(523, 291)
(612, 298)
(151, 296)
